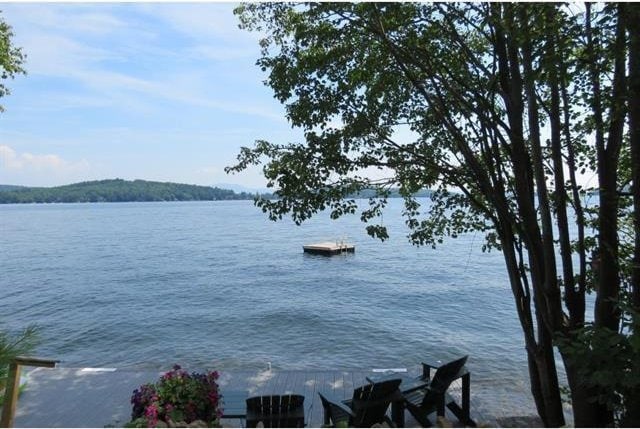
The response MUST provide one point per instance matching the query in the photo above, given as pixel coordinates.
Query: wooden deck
(74, 397)
(329, 248)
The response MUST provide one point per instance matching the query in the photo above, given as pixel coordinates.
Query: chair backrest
(276, 411)
(371, 401)
(442, 379)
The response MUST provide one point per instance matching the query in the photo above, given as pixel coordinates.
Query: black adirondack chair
(434, 396)
(367, 407)
(276, 411)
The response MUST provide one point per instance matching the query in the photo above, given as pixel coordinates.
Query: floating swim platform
(329, 248)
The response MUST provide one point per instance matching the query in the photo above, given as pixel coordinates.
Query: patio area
(99, 397)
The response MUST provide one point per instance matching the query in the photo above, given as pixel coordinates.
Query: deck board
(69, 397)
(316, 406)
(309, 392)
(280, 384)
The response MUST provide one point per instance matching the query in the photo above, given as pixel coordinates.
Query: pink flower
(151, 413)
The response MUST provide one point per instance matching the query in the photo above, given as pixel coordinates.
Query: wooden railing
(12, 389)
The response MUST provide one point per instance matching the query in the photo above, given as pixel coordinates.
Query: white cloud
(221, 53)
(139, 87)
(54, 55)
(97, 23)
(201, 21)
(58, 46)
(78, 18)
(39, 168)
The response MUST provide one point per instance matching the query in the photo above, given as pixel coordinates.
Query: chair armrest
(343, 408)
(427, 367)
(334, 407)
(426, 370)
(331, 398)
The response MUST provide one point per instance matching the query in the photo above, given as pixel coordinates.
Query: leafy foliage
(608, 365)
(496, 107)
(11, 346)
(11, 58)
(342, 88)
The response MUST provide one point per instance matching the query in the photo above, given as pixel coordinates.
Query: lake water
(218, 285)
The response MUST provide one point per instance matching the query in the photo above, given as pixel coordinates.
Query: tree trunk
(552, 305)
(550, 388)
(632, 418)
(633, 25)
(554, 59)
(540, 358)
(575, 301)
(585, 412)
(607, 314)
(544, 381)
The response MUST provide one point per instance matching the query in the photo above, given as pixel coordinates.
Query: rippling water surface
(216, 284)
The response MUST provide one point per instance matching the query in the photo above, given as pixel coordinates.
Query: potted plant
(178, 399)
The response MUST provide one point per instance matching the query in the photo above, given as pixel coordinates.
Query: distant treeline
(117, 190)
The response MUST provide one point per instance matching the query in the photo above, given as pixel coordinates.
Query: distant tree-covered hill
(10, 187)
(117, 190)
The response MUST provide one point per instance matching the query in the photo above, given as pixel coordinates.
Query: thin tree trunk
(551, 291)
(560, 195)
(607, 314)
(544, 382)
(608, 284)
(576, 301)
(585, 414)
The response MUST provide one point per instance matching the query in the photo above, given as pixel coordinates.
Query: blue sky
(155, 91)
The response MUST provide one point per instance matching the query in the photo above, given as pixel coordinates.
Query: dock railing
(12, 389)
